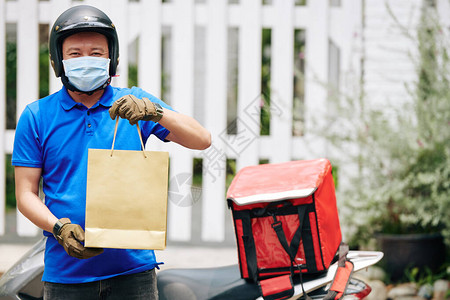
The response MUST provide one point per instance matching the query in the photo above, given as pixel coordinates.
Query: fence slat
(316, 75)
(282, 80)
(213, 202)
(2, 114)
(149, 69)
(27, 76)
(56, 8)
(179, 219)
(245, 144)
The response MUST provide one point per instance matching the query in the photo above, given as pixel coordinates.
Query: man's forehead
(83, 37)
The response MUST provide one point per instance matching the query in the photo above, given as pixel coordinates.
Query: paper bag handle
(115, 132)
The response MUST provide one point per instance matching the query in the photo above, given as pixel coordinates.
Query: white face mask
(87, 73)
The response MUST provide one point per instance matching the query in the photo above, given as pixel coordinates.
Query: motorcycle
(23, 280)
(226, 283)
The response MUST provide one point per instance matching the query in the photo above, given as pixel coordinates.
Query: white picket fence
(324, 22)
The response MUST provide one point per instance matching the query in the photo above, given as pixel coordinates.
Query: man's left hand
(71, 236)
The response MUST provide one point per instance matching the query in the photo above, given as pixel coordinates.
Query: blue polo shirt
(54, 134)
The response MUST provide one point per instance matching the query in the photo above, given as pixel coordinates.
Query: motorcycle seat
(205, 283)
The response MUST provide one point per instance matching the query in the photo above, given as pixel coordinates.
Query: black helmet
(79, 19)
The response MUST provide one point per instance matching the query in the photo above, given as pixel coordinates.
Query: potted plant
(412, 214)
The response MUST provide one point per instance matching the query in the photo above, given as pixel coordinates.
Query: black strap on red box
(292, 249)
(300, 234)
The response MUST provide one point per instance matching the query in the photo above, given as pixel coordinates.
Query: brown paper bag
(126, 198)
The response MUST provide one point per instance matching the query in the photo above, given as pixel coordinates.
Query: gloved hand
(134, 109)
(70, 236)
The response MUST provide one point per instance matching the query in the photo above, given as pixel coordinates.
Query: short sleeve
(149, 127)
(27, 151)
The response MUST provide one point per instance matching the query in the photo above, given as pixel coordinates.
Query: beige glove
(134, 109)
(70, 236)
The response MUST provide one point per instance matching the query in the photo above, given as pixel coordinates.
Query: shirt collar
(107, 98)
(68, 103)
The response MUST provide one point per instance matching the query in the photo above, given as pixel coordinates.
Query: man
(52, 140)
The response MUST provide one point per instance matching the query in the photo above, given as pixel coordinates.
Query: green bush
(10, 184)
